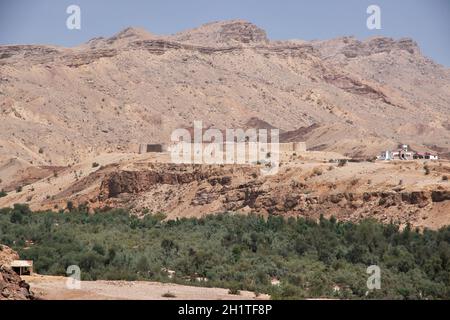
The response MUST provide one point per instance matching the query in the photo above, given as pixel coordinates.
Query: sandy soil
(54, 288)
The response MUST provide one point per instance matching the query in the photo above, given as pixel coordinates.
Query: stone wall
(155, 147)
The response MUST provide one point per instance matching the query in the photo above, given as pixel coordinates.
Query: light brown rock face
(12, 287)
(61, 105)
(399, 191)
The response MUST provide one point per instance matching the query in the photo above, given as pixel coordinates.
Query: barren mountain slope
(62, 106)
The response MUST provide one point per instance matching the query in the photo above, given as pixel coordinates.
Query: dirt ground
(54, 288)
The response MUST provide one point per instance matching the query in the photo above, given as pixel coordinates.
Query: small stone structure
(22, 267)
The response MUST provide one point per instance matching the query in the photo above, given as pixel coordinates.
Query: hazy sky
(44, 21)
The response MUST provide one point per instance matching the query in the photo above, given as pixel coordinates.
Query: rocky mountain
(12, 287)
(60, 106)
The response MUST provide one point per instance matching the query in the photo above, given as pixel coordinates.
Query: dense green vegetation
(236, 252)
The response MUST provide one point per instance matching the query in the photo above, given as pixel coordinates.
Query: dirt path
(54, 288)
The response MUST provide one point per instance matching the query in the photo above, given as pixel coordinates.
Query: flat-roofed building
(22, 267)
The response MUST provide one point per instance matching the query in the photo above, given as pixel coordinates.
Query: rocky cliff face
(226, 193)
(12, 287)
(224, 33)
(352, 192)
(352, 48)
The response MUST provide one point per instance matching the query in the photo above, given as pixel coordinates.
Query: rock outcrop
(110, 94)
(224, 33)
(12, 287)
(218, 188)
(134, 182)
(379, 45)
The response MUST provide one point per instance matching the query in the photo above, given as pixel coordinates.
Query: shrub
(444, 178)
(3, 194)
(169, 294)
(95, 165)
(19, 189)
